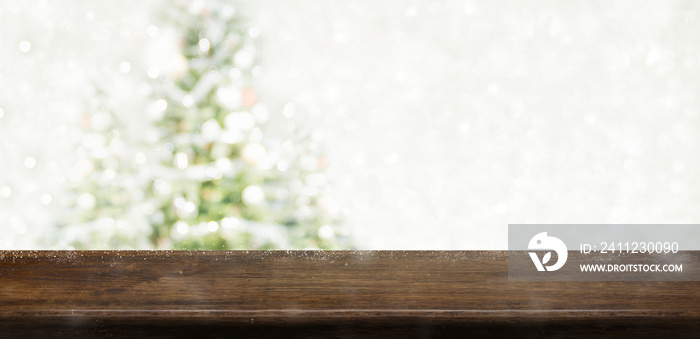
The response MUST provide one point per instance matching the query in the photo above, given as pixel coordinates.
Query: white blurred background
(443, 121)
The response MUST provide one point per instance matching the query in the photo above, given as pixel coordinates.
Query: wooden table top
(322, 294)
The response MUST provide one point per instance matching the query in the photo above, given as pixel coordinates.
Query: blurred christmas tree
(218, 179)
(107, 207)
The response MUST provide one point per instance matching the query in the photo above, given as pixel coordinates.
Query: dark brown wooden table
(322, 294)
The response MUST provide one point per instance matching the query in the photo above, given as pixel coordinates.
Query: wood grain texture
(322, 294)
